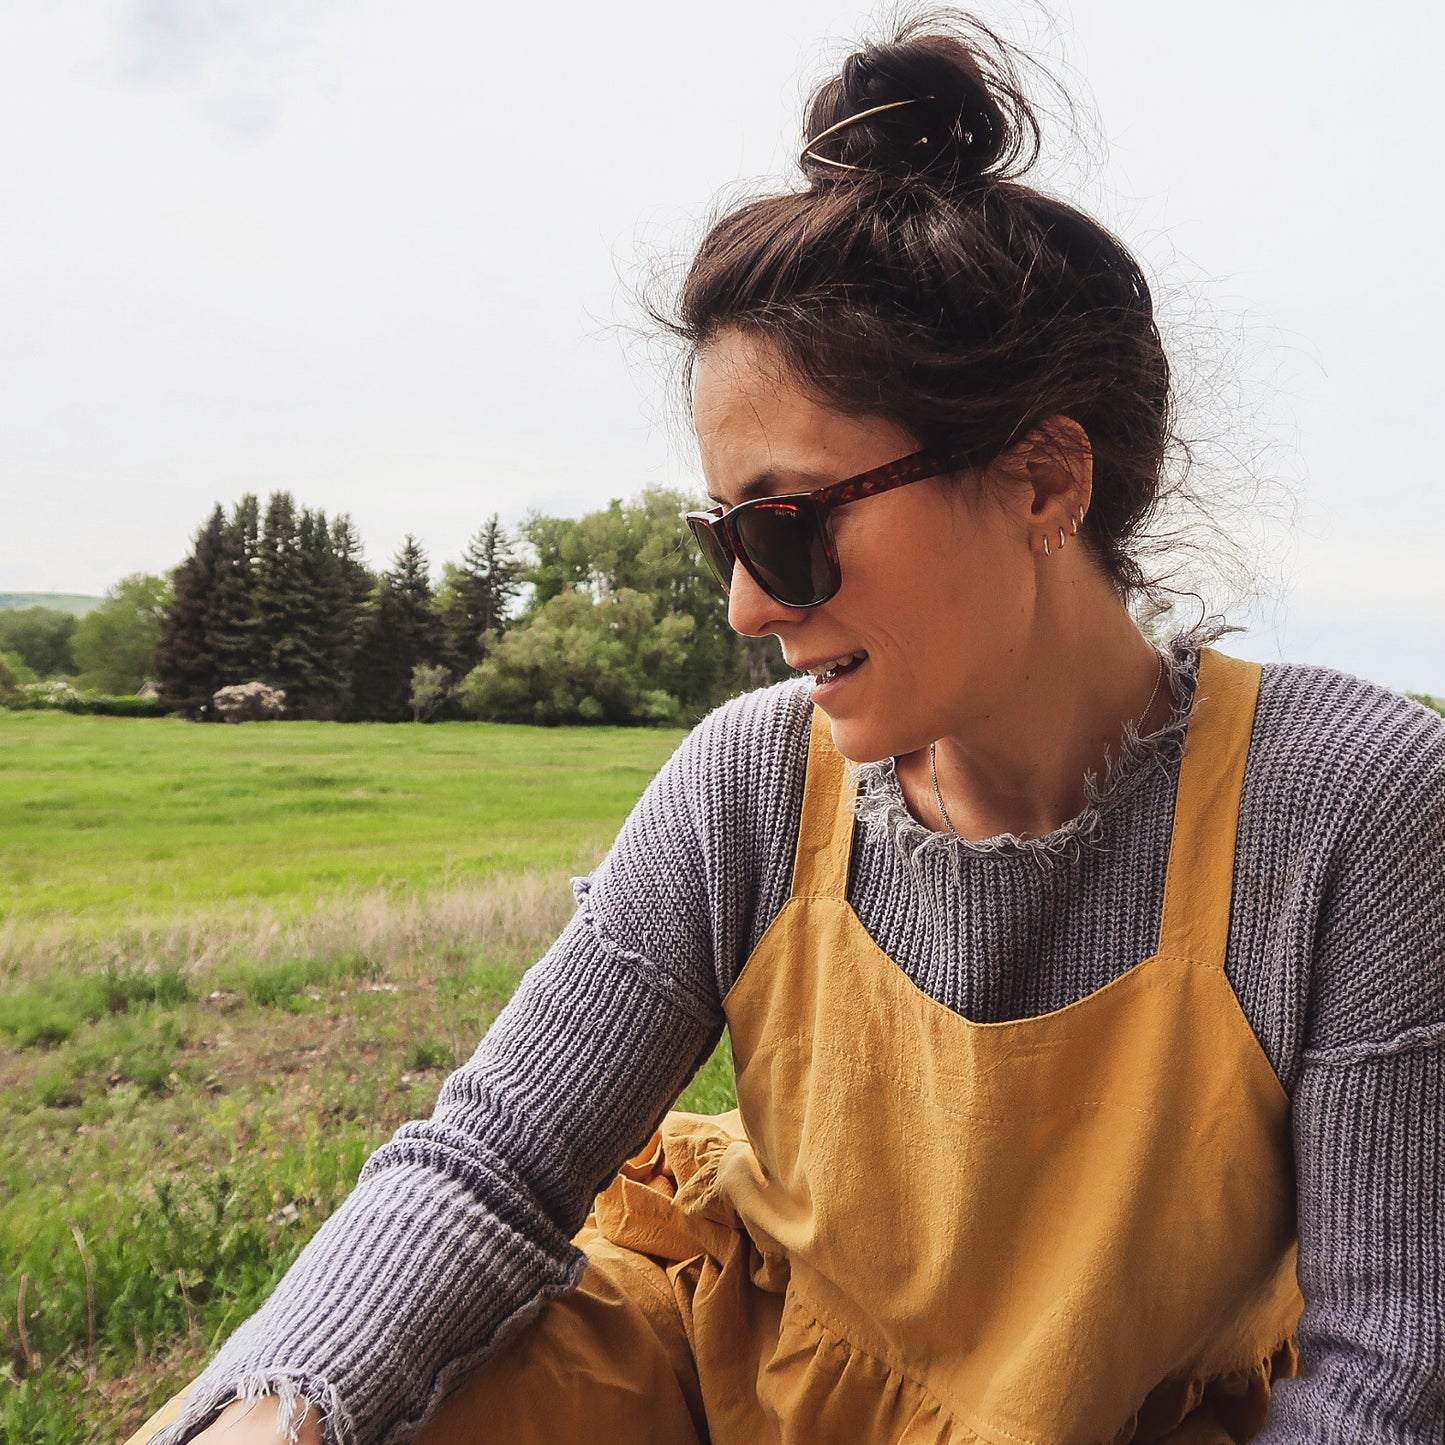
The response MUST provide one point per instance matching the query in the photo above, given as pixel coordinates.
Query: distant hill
(60, 601)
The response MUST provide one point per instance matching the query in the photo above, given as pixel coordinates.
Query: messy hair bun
(918, 277)
(922, 105)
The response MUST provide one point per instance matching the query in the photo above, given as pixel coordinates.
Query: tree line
(606, 618)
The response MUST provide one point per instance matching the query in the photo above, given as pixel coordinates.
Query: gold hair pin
(808, 153)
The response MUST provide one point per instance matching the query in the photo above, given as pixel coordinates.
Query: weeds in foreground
(182, 1134)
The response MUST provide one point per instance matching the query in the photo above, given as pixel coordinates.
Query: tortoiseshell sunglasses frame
(816, 506)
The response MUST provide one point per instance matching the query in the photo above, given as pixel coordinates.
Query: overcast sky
(384, 255)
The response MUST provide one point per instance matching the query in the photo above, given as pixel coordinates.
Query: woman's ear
(1053, 469)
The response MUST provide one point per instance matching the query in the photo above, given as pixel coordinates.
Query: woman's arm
(459, 1229)
(1369, 1119)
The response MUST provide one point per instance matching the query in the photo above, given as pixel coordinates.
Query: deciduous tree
(645, 546)
(115, 644)
(581, 659)
(430, 688)
(41, 636)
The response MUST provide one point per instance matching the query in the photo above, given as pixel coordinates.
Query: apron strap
(1200, 882)
(825, 835)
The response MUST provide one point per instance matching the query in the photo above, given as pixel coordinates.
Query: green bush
(123, 989)
(41, 1410)
(56, 1087)
(277, 985)
(125, 705)
(53, 696)
(164, 1259)
(284, 984)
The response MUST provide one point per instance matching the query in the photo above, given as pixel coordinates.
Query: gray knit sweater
(459, 1228)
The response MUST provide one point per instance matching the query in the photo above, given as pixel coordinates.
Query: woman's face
(938, 579)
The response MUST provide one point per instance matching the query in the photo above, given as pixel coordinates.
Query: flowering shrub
(249, 702)
(57, 695)
(54, 695)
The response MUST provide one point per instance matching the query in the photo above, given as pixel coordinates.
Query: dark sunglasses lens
(714, 551)
(784, 544)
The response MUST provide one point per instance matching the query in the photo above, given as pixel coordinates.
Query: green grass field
(232, 961)
(107, 827)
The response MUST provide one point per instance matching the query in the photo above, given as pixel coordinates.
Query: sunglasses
(785, 544)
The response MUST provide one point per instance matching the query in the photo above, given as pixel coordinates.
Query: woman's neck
(1087, 675)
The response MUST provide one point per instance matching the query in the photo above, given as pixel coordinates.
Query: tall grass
(383, 925)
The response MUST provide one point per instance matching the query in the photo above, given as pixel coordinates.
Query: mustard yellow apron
(1075, 1229)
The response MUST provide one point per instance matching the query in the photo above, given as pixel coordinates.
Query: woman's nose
(750, 610)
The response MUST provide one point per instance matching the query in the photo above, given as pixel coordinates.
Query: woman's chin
(862, 740)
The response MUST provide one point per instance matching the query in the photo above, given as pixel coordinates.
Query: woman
(1069, 1110)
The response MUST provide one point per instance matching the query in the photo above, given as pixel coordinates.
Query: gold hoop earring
(1061, 539)
(1046, 546)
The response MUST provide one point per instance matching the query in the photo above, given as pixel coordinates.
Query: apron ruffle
(800, 1376)
(1214, 1409)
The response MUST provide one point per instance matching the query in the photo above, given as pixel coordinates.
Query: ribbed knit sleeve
(1369, 1108)
(459, 1228)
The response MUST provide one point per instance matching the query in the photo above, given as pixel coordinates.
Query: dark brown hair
(917, 277)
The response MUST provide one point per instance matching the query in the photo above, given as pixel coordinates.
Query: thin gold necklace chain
(933, 755)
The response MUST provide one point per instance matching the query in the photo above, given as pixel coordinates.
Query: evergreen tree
(358, 583)
(356, 576)
(326, 619)
(401, 631)
(187, 668)
(232, 627)
(479, 593)
(289, 607)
